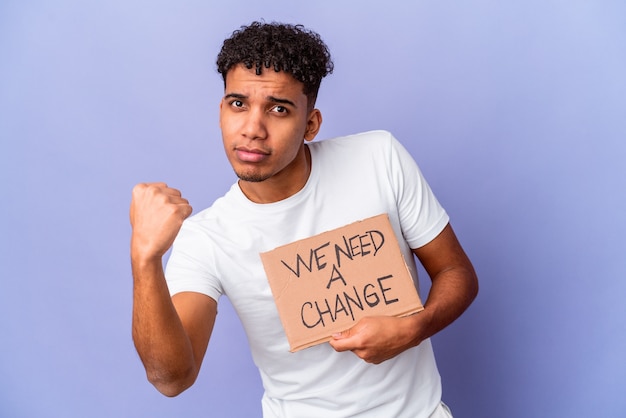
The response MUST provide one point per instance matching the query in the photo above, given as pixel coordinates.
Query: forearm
(454, 287)
(451, 293)
(158, 334)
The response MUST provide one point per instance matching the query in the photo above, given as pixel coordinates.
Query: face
(264, 122)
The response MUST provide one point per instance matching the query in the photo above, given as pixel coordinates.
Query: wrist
(142, 259)
(419, 325)
(142, 251)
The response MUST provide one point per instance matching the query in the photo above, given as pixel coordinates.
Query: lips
(251, 155)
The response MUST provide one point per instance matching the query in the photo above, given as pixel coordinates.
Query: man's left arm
(454, 287)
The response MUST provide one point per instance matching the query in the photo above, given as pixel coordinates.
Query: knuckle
(138, 188)
(365, 357)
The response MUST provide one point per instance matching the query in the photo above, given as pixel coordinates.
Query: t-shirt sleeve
(190, 265)
(421, 215)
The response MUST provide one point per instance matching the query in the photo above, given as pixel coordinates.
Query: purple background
(516, 112)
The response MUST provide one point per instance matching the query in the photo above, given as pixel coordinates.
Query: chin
(252, 177)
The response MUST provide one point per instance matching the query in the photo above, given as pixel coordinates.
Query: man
(288, 190)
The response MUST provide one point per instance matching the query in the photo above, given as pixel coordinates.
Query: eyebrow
(271, 99)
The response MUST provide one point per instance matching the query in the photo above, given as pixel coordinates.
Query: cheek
(228, 125)
(292, 137)
(295, 130)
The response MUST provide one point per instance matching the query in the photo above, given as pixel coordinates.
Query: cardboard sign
(326, 283)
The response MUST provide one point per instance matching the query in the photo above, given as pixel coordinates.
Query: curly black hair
(289, 48)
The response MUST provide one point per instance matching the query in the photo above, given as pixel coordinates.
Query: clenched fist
(156, 214)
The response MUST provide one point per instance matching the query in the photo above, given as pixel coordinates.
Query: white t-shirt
(217, 252)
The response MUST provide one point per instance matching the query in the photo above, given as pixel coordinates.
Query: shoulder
(373, 137)
(222, 212)
(364, 143)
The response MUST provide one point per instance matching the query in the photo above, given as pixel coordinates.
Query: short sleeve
(421, 215)
(188, 268)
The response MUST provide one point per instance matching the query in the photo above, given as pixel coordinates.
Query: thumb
(341, 340)
(343, 334)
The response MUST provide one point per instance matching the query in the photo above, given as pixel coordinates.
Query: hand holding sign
(325, 284)
(376, 338)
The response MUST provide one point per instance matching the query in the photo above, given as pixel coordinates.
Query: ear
(220, 112)
(313, 124)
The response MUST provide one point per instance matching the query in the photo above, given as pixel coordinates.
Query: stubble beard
(252, 177)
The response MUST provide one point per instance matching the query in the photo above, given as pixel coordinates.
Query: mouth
(251, 155)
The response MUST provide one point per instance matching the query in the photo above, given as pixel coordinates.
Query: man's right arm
(170, 334)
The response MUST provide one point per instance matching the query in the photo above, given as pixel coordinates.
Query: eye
(236, 103)
(280, 109)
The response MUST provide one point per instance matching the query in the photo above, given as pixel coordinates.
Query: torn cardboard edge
(326, 283)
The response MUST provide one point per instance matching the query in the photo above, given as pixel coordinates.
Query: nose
(254, 126)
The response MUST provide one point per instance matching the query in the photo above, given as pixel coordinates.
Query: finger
(188, 210)
(339, 345)
(158, 188)
(147, 185)
(175, 199)
(159, 184)
(171, 191)
(343, 342)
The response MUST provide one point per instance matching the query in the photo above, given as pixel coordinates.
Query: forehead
(242, 80)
